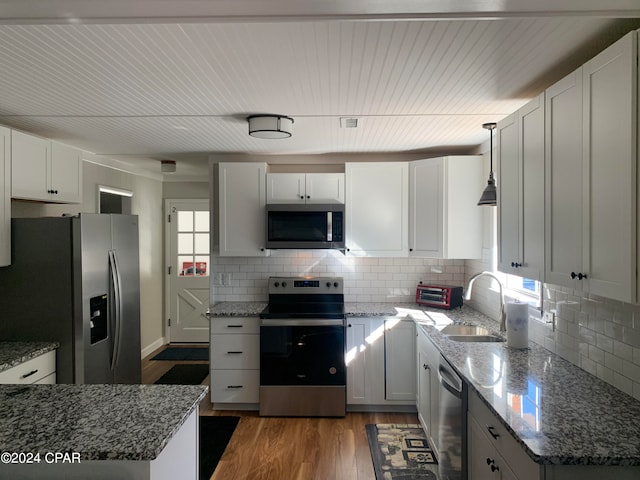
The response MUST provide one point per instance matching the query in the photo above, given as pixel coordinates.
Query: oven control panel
(305, 285)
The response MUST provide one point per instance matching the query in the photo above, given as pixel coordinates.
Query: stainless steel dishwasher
(452, 435)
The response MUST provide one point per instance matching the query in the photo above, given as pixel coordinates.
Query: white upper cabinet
(5, 196)
(242, 201)
(444, 219)
(520, 148)
(376, 209)
(305, 188)
(66, 173)
(44, 170)
(591, 175)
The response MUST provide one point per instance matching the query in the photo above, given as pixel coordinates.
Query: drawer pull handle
(234, 353)
(234, 326)
(492, 432)
(234, 386)
(32, 372)
(492, 463)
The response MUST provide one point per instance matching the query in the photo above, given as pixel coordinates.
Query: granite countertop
(559, 413)
(15, 353)
(352, 309)
(236, 309)
(100, 422)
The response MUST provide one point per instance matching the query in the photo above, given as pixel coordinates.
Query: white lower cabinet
(428, 386)
(234, 352)
(400, 360)
(5, 196)
(373, 377)
(41, 370)
(494, 454)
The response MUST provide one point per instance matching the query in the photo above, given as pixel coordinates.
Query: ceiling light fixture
(270, 126)
(167, 166)
(489, 196)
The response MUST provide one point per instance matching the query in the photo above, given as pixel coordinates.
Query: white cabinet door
(365, 361)
(563, 180)
(521, 191)
(324, 187)
(443, 218)
(242, 209)
(377, 201)
(29, 167)
(66, 174)
(609, 150)
(305, 188)
(591, 168)
(509, 195)
(400, 360)
(426, 208)
(285, 188)
(5, 196)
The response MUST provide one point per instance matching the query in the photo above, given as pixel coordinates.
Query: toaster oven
(439, 296)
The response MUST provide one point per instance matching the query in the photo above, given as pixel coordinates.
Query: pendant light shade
(489, 195)
(270, 126)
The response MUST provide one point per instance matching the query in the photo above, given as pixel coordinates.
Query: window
(193, 243)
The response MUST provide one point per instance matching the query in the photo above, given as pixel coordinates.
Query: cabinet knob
(301, 197)
(581, 276)
(308, 196)
(425, 366)
(492, 432)
(516, 264)
(574, 275)
(411, 249)
(262, 249)
(55, 191)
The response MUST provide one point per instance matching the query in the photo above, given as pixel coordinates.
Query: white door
(188, 270)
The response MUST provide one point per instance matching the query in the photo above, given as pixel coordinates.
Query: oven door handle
(297, 322)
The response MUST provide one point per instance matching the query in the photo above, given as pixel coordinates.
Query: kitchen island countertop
(99, 422)
(15, 353)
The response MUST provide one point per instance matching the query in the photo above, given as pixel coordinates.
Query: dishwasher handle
(449, 381)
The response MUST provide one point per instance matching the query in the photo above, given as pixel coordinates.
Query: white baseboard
(148, 350)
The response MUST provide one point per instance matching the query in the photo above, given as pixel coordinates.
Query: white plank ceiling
(144, 90)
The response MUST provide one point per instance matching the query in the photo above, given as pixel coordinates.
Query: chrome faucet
(467, 296)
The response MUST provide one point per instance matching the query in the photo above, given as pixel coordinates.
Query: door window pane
(185, 243)
(201, 221)
(185, 221)
(201, 243)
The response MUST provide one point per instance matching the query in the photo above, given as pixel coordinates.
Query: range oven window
(297, 226)
(302, 355)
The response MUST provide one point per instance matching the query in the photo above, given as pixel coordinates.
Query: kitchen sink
(475, 338)
(464, 330)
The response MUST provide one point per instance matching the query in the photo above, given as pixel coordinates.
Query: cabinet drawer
(235, 386)
(498, 435)
(235, 325)
(32, 370)
(235, 352)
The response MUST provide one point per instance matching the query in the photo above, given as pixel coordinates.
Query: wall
(599, 335)
(147, 204)
(365, 279)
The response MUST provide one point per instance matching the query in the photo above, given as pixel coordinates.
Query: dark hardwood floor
(275, 448)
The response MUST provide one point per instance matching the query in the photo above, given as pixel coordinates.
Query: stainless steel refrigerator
(76, 280)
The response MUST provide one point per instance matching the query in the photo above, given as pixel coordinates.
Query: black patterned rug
(401, 452)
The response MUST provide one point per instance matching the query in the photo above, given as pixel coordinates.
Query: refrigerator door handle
(117, 293)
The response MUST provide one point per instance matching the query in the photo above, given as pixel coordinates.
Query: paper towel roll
(517, 325)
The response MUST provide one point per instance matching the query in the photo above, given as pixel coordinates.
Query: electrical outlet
(550, 317)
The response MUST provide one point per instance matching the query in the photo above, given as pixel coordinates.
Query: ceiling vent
(348, 122)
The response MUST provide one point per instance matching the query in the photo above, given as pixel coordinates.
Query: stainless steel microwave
(305, 226)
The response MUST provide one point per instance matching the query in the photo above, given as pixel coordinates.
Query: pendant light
(489, 196)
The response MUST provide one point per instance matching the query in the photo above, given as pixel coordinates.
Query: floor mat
(401, 452)
(215, 433)
(183, 353)
(191, 374)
